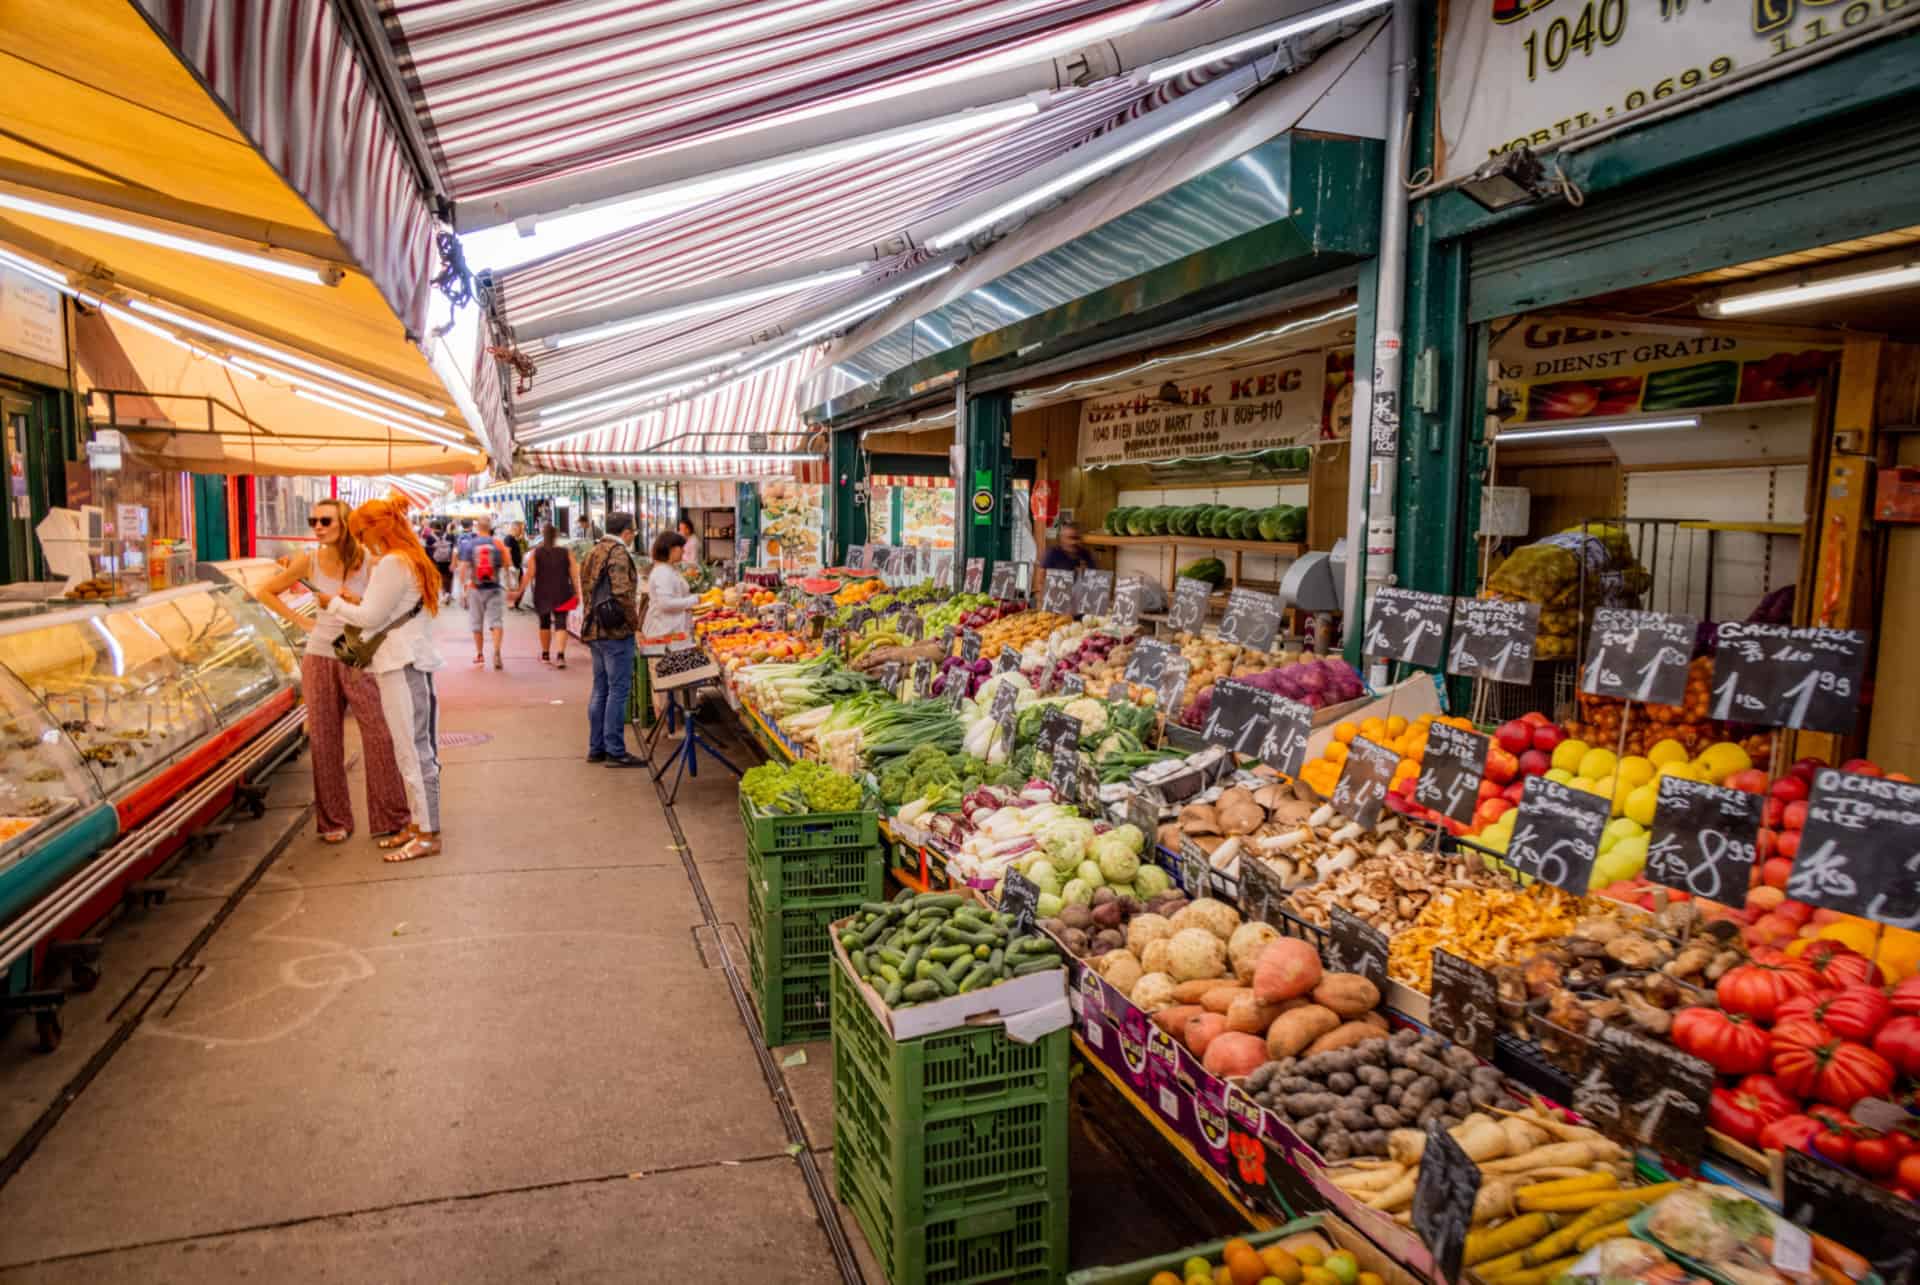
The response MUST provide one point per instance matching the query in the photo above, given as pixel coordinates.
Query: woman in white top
(337, 564)
(670, 603)
(691, 554)
(403, 592)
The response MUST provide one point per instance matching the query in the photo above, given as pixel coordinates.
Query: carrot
(1840, 1258)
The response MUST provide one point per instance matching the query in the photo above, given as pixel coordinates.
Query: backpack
(486, 575)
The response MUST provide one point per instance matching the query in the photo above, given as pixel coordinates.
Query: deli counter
(252, 574)
(109, 710)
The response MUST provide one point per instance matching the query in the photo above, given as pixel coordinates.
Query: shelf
(1272, 548)
(1751, 528)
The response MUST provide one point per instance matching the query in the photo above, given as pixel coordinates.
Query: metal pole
(1374, 467)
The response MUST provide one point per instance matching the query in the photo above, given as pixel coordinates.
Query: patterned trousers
(331, 689)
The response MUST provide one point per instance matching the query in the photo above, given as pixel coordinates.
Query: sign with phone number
(1537, 72)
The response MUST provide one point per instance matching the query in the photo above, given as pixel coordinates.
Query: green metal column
(746, 522)
(210, 518)
(897, 515)
(846, 510)
(986, 491)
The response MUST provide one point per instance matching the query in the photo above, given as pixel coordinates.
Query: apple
(1536, 763)
(1491, 810)
(1789, 844)
(1774, 874)
(1794, 817)
(1865, 767)
(1772, 812)
(1489, 789)
(1806, 767)
(1768, 842)
(1515, 737)
(1534, 718)
(1750, 780)
(1547, 735)
(1514, 792)
(1789, 788)
(1502, 765)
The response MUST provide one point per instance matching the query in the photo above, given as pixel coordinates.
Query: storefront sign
(1229, 413)
(1536, 72)
(31, 320)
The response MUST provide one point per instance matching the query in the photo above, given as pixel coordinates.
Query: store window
(280, 509)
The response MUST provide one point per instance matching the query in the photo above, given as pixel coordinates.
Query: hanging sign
(1860, 848)
(1252, 620)
(1233, 412)
(1702, 839)
(1557, 836)
(1189, 610)
(1056, 594)
(1638, 655)
(1787, 677)
(1289, 722)
(1127, 598)
(1451, 772)
(974, 576)
(1408, 626)
(32, 322)
(1493, 639)
(1092, 593)
(1364, 780)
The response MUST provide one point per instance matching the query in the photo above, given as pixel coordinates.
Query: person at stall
(690, 555)
(554, 577)
(609, 577)
(338, 564)
(1069, 552)
(516, 539)
(670, 603)
(483, 560)
(403, 590)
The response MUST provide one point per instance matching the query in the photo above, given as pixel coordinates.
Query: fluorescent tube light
(1738, 304)
(718, 303)
(627, 408)
(1519, 435)
(608, 396)
(291, 359)
(167, 241)
(1265, 36)
(431, 435)
(712, 457)
(1080, 174)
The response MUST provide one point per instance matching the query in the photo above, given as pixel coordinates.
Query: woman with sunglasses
(338, 564)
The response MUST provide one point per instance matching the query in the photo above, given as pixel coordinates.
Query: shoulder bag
(606, 610)
(356, 650)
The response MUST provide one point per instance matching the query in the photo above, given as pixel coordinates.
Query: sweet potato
(1343, 1035)
(1293, 1031)
(1219, 1001)
(1286, 968)
(1249, 1016)
(1192, 992)
(1348, 994)
(1203, 1030)
(1377, 1020)
(1173, 1019)
(1232, 1053)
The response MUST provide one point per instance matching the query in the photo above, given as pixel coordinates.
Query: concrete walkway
(518, 1061)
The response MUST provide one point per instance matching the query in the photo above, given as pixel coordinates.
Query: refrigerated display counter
(252, 574)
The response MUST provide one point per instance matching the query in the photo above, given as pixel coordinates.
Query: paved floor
(518, 1061)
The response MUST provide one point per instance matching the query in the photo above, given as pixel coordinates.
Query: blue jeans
(607, 707)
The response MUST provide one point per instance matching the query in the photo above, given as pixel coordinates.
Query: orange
(1281, 1264)
(1245, 1266)
(1396, 725)
(1164, 1278)
(1344, 732)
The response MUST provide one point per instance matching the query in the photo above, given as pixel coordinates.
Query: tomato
(1835, 1147)
(1909, 1171)
(1789, 1133)
(1837, 965)
(1810, 1062)
(1732, 1043)
(1906, 996)
(1899, 1042)
(1830, 1115)
(1854, 1012)
(1759, 989)
(1769, 1091)
(1744, 1115)
(1876, 1156)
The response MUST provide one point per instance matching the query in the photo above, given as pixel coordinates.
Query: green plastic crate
(808, 831)
(795, 937)
(1020, 1242)
(795, 1006)
(824, 878)
(1143, 1271)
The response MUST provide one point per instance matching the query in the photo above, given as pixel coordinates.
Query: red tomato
(1731, 1043)
(1834, 1146)
(1743, 1115)
(1789, 1133)
(1876, 1156)
(1854, 1013)
(1909, 1170)
(1906, 996)
(1769, 1090)
(1809, 1062)
(1899, 1042)
(1830, 1115)
(1837, 965)
(1759, 989)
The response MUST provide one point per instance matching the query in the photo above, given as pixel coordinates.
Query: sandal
(399, 838)
(422, 845)
(560, 661)
(335, 836)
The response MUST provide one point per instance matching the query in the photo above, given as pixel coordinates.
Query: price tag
(1465, 1002)
(974, 576)
(1557, 836)
(911, 626)
(889, 677)
(1237, 719)
(1451, 772)
(1860, 848)
(969, 646)
(1289, 723)
(940, 572)
(1703, 838)
(1057, 594)
(1005, 697)
(1645, 1093)
(1063, 772)
(833, 640)
(1639, 655)
(1252, 620)
(1879, 1225)
(1261, 893)
(1785, 677)
(947, 636)
(923, 672)
(1009, 659)
(1128, 596)
(1170, 688)
(1002, 583)
(1493, 639)
(1093, 593)
(1443, 1200)
(1407, 625)
(1364, 780)
(1143, 812)
(1357, 945)
(954, 691)
(1057, 729)
(1073, 684)
(1020, 897)
(1196, 870)
(858, 620)
(1189, 609)
(1087, 786)
(879, 558)
(857, 558)
(1148, 661)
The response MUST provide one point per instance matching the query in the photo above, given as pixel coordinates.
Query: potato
(1348, 994)
(1342, 1036)
(1249, 1015)
(1220, 1000)
(1192, 992)
(1293, 1031)
(1286, 967)
(1174, 1020)
(1202, 1030)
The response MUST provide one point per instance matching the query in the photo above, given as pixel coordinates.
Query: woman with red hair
(403, 584)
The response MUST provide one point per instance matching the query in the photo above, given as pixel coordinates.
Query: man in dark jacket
(608, 574)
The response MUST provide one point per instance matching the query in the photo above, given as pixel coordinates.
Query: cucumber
(887, 955)
(921, 991)
(960, 967)
(947, 954)
(946, 982)
(904, 896)
(859, 961)
(914, 957)
(1034, 966)
(889, 972)
(981, 974)
(943, 900)
(924, 970)
(892, 995)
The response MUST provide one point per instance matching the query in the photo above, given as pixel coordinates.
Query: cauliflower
(1091, 713)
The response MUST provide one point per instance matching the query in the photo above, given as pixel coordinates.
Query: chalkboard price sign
(954, 691)
(1189, 609)
(1087, 786)
(1252, 620)
(1171, 687)
(1288, 725)
(1465, 1002)
(1057, 728)
(1557, 836)
(1148, 661)
(909, 623)
(974, 576)
(857, 557)
(1057, 593)
(1645, 1093)
(1702, 838)
(1143, 812)
(1073, 684)
(1005, 697)
(1063, 771)
(858, 620)
(1093, 593)
(1451, 772)
(879, 558)
(1857, 849)
(1196, 871)
(1003, 585)
(1443, 1200)
(889, 677)
(1261, 892)
(1009, 659)
(1639, 655)
(1786, 677)
(1879, 1224)
(1128, 596)
(1020, 897)
(1357, 945)
(969, 646)
(1407, 625)
(1364, 780)
(833, 640)
(923, 672)
(1493, 639)
(940, 569)
(1237, 718)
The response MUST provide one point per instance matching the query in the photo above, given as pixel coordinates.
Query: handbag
(606, 611)
(356, 650)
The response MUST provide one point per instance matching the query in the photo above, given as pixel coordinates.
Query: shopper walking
(483, 560)
(516, 540)
(612, 615)
(402, 591)
(554, 577)
(441, 551)
(336, 565)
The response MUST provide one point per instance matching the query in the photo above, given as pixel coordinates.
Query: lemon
(1667, 751)
(1567, 754)
(1608, 787)
(1641, 804)
(1560, 774)
(1684, 770)
(1344, 1266)
(1598, 764)
(1310, 1255)
(1723, 758)
(1635, 769)
(1197, 1266)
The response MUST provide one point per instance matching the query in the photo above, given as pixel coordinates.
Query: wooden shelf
(1272, 548)
(1751, 528)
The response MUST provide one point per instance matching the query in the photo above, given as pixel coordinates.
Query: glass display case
(252, 574)
(227, 642)
(42, 782)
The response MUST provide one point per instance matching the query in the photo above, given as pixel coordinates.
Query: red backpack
(486, 573)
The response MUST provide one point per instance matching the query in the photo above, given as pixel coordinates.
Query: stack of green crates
(804, 872)
(951, 1149)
